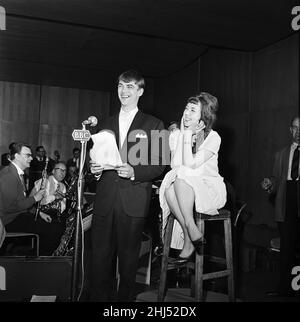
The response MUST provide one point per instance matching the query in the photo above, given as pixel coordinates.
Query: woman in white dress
(194, 180)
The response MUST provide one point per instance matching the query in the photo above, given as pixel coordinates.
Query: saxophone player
(52, 205)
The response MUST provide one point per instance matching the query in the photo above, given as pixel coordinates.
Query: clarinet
(43, 184)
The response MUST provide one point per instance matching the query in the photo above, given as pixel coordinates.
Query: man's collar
(131, 112)
(19, 170)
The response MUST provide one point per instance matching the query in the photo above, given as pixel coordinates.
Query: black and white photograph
(149, 154)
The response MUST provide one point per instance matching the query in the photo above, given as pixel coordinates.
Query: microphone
(92, 121)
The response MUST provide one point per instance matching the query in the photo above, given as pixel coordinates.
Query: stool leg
(165, 256)
(229, 259)
(199, 267)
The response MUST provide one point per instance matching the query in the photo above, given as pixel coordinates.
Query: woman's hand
(194, 128)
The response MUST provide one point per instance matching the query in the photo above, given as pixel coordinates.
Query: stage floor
(181, 295)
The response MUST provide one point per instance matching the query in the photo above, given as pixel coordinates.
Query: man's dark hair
(132, 75)
(76, 149)
(16, 147)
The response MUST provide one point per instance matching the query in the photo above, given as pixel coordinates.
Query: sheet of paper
(105, 151)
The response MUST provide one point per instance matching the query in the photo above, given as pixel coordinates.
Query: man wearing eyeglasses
(52, 207)
(284, 184)
(13, 200)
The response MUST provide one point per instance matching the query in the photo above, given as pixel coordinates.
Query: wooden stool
(197, 266)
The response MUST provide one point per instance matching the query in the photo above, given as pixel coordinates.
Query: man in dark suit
(14, 203)
(13, 200)
(284, 183)
(123, 195)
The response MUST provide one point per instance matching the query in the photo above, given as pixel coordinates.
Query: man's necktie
(295, 164)
(23, 183)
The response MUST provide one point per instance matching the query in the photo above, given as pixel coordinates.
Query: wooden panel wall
(19, 113)
(56, 75)
(46, 115)
(63, 110)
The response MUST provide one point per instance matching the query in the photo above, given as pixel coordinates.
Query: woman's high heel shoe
(198, 243)
(181, 260)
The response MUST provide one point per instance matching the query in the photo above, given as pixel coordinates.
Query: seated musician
(51, 207)
(14, 202)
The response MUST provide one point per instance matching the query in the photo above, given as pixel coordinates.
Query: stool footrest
(208, 276)
(197, 265)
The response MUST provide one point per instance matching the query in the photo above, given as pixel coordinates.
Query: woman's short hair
(209, 107)
(132, 76)
(16, 147)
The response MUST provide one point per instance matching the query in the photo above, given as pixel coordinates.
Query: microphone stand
(80, 186)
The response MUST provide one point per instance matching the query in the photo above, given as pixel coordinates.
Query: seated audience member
(38, 165)
(194, 179)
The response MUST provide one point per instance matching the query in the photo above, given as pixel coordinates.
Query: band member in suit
(15, 205)
(52, 207)
(13, 200)
(284, 184)
(123, 196)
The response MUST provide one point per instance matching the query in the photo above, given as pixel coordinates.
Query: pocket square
(141, 136)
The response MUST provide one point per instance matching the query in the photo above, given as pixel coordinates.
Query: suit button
(116, 180)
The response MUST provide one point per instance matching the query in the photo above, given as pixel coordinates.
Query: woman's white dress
(208, 185)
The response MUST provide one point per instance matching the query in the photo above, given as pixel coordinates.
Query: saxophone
(43, 185)
(63, 248)
(54, 207)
